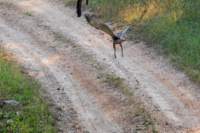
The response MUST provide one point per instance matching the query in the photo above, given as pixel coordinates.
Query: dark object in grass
(9, 103)
(118, 38)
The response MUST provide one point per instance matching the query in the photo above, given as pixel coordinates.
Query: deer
(117, 38)
(79, 6)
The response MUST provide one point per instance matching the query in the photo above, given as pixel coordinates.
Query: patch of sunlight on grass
(139, 12)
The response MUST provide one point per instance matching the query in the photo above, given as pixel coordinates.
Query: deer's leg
(122, 50)
(78, 7)
(87, 2)
(114, 47)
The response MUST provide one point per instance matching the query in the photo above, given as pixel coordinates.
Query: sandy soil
(66, 55)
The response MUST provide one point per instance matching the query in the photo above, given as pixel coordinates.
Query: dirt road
(68, 57)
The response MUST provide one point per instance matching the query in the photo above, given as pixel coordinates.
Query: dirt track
(66, 55)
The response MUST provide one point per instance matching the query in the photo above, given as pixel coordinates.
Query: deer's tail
(123, 32)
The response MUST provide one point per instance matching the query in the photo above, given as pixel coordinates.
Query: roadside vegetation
(31, 115)
(172, 26)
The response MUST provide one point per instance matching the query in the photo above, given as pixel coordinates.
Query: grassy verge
(179, 39)
(173, 26)
(32, 116)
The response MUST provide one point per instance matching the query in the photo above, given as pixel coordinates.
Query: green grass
(28, 13)
(173, 26)
(179, 36)
(32, 116)
(180, 41)
(117, 82)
